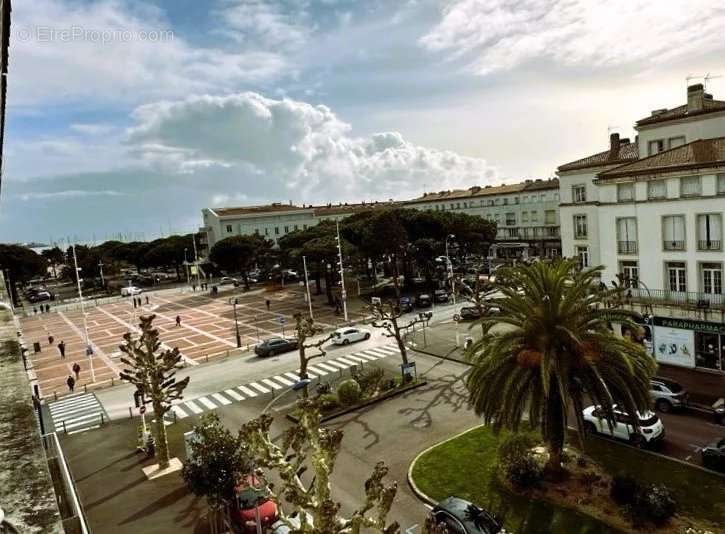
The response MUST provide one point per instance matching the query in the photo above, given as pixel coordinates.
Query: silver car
(667, 394)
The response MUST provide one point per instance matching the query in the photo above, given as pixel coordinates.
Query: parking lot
(207, 330)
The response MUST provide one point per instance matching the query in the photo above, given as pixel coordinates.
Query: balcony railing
(674, 245)
(529, 232)
(680, 298)
(709, 244)
(627, 247)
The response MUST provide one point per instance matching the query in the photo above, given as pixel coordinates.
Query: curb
(416, 490)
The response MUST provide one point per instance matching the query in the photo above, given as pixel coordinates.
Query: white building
(525, 212)
(652, 211)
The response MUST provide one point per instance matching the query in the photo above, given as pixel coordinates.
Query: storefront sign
(674, 346)
(688, 324)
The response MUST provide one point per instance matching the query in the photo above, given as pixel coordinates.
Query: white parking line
(233, 394)
(270, 383)
(206, 402)
(193, 407)
(221, 398)
(259, 388)
(248, 392)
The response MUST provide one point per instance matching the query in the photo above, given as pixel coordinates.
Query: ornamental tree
(153, 374)
(307, 446)
(305, 328)
(385, 316)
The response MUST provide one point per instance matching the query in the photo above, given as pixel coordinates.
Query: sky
(127, 117)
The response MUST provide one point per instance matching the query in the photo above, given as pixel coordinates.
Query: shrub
(349, 392)
(329, 402)
(517, 445)
(524, 472)
(517, 461)
(624, 489)
(655, 503)
(370, 380)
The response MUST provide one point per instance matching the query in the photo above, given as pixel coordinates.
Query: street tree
(305, 329)
(556, 348)
(307, 446)
(239, 253)
(385, 316)
(54, 256)
(153, 373)
(217, 463)
(22, 264)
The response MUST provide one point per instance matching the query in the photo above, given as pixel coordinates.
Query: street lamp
(233, 302)
(342, 271)
(186, 264)
(307, 285)
(89, 349)
(450, 267)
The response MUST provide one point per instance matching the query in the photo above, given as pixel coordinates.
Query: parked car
(424, 300)
(275, 345)
(130, 291)
(462, 517)
(667, 394)
(349, 334)
(440, 295)
(40, 296)
(228, 280)
(406, 304)
(650, 431)
(280, 528)
(247, 507)
(467, 313)
(713, 456)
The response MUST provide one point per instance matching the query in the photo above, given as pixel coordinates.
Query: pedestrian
(35, 310)
(134, 302)
(61, 349)
(147, 299)
(71, 383)
(47, 308)
(178, 320)
(193, 287)
(50, 339)
(267, 303)
(77, 370)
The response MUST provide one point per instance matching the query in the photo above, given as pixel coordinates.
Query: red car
(250, 504)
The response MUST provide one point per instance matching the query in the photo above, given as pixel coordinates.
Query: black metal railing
(709, 244)
(674, 245)
(627, 247)
(682, 298)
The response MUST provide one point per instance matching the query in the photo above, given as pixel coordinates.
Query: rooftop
(488, 190)
(620, 151)
(698, 103)
(694, 155)
(248, 210)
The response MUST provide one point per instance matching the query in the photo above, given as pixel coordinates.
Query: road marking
(293, 376)
(221, 398)
(382, 353)
(135, 329)
(389, 350)
(206, 402)
(96, 349)
(327, 367)
(283, 380)
(317, 371)
(178, 411)
(411, 528)
(354, 357)
(368, 357)
(194, 408)
(248, 392)
(259, 387)
(273, 385)
(233, 394)
(344, 360)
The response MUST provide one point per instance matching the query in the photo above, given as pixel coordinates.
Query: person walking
(178, 320)
(61, 349)
(77, 370)
(50, 339)
(47, 308)
(71, 383)
(267, 303)
(147, 299)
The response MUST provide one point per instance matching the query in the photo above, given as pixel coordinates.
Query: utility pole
(307, 285)
(233, 302)
(342, 271)
(186, 265)
(89, 349)
(103, 281)
(9, 288)
(450, 268)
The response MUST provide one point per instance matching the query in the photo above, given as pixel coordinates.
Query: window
(721, 184)
(709, 231)
(542, 197)
(516, 200)
(673, 230)
(266, 231)
(256, 231)
(711, 274)
(674, 142)
(579, 193)
(510, 219)
(534, 216)
(676, 276)
(229, 228)
(690, 186)
(627, 235)
(296, 227)
(304, 227)
(580, 226)
(458, 205)
(286, 229)
(625, 192)
(524, 216)
(630, 273)
(453, 206)
(498, 217)
(524, 199)
(465, 204)
(656, 189)
(656, 146)
(276, 230)
(583, 254)
(550, 217)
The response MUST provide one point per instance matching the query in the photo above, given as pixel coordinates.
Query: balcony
(689, 299)
(674, 245)
(627, 247)
(709, 244)
(529, 232)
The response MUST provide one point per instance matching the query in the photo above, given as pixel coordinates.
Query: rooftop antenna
(707, 79)
(692, 77)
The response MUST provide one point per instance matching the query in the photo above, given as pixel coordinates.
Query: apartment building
(651, 212)
(526, 212)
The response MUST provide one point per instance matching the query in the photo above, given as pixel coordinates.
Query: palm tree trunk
(555, 428)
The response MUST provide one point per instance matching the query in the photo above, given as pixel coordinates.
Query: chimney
(695, 98)
(614, 143)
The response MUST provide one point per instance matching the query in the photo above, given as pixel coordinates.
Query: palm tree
(553, 347)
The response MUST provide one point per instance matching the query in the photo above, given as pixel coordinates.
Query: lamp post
(450, 268)
(103, 281)
(89, 349)
(342, 271)
(233, 302)
(9, 288)
(186, 264)
(307, 285)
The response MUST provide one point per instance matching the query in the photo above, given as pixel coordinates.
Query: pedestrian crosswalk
(77, 412)
(279, 382)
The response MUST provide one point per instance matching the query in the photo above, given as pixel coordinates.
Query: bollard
(207, 358)
(64, 428)
(175, 417)
(85, 388)
(130, 413)
(55, 395)
(102, 419)
(113, 378)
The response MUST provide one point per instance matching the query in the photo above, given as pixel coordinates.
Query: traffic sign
(281, 320)
(142, 410)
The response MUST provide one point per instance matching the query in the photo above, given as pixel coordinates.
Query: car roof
(459, 508)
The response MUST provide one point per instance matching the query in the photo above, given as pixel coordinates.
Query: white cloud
(92, 129)
(72, 193)
(106, 50)
(496, 35)
(293, 148)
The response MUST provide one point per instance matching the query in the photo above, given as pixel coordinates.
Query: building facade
(526, 212)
